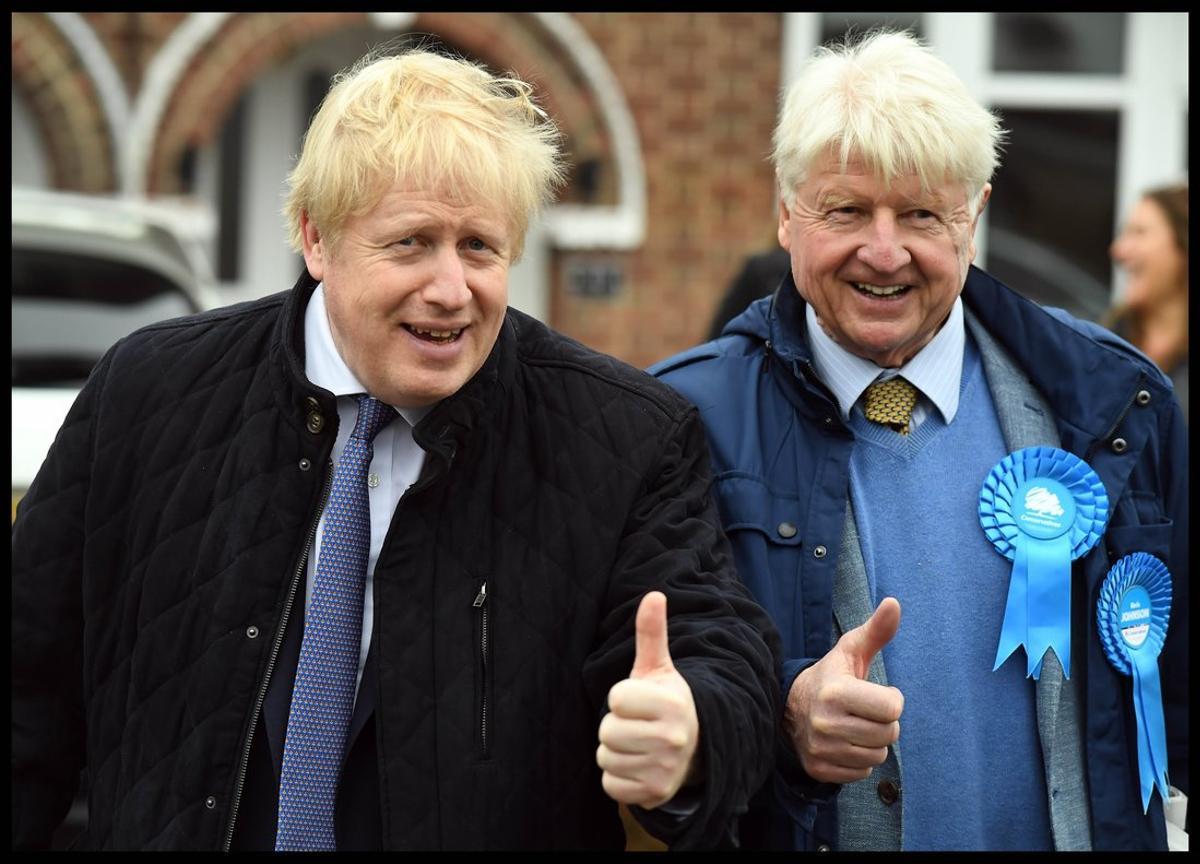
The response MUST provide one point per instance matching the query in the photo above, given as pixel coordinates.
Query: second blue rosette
(1132, 613)
(1041, 507)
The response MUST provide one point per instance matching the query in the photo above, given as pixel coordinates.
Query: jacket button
(819, 552)
(888, 792)
(252, 632)
(1143, 397)
(314, 421)
(305, 464)
(210, 802)
(786, 530)
(1120, 445)
(824, 847)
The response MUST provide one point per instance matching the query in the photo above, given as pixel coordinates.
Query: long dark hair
(1173, 201)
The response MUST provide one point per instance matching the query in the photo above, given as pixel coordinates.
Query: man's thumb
(653, 654)
(868, 639)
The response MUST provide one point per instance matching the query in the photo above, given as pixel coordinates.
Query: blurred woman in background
(1152, 248)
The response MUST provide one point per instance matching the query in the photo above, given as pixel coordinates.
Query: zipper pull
(481, 597)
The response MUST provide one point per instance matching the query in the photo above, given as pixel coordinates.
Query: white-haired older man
(854, 417)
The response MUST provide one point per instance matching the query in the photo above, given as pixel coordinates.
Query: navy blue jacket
(781, 458)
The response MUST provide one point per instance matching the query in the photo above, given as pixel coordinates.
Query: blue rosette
(1042, 508)
(1132, 613)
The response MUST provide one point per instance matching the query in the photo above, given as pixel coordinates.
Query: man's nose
(883, 248)
(447, 285)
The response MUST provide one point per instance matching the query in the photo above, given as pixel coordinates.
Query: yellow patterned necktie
(891, 403)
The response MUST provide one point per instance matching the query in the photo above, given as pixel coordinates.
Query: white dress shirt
(396, 463)
(935, 370)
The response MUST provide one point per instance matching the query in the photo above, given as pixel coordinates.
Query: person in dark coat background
(856, 419)
(761, 274)
(378, 562)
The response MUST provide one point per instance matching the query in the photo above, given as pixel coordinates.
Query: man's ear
(983, 199)
(315, 253)
(785, 217)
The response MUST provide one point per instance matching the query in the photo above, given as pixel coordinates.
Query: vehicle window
(67, 309)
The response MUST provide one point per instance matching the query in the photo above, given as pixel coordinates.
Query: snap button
(1143, 397)
(305, 464)
(819, 552)
(252, 632)
(1120, 445)
(786, 530)
(315, 422)
(888, 792)
(210, 802)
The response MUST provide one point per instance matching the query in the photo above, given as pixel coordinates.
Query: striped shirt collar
(936, 370)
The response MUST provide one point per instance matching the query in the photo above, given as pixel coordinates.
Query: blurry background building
(667, 117)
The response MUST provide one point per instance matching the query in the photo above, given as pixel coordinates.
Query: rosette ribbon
(1042, 508)
(1132, 614)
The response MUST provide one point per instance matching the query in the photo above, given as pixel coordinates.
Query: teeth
(880, 290)
(436, 334)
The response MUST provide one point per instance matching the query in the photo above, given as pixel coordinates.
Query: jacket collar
(1089, 385)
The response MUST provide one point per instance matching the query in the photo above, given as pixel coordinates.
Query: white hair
(891, 102)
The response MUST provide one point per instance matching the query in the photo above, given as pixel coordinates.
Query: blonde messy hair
(437, 122)
(893, 103)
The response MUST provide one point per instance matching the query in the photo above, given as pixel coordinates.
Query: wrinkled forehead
(861, 177)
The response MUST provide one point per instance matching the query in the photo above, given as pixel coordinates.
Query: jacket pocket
(747, 504)
(765, 529)
(483, 665)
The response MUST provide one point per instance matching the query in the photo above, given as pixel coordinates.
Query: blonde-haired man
(374, 563)
(853, 418)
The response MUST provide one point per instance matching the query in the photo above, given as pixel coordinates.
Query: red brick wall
(702, 88)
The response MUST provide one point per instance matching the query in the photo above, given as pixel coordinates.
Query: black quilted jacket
(159, 552)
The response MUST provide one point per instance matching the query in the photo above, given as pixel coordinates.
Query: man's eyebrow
(835, 198)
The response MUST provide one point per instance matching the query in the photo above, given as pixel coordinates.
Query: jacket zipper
(244, 760)
(481, 604)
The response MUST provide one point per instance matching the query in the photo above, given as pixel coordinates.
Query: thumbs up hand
(840, 723)
(648, 739)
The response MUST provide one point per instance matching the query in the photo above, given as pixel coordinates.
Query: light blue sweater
(972, 763)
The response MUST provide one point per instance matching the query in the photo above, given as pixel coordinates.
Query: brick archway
(63, 99)
(246, 45)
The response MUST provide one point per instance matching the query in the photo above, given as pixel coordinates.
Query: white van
(86, 271)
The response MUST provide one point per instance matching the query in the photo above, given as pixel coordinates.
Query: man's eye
(406, 241)
(476, 245)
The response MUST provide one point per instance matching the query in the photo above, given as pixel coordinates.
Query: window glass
(67, 309)
(1088, 42)
(836, 25)
(1051, 214)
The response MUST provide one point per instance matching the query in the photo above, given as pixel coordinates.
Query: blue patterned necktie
(323, 694)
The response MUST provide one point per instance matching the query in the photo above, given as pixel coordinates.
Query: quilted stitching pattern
(172, 577)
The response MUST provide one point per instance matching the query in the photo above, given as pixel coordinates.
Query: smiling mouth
(885, 291)
(439, 337)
